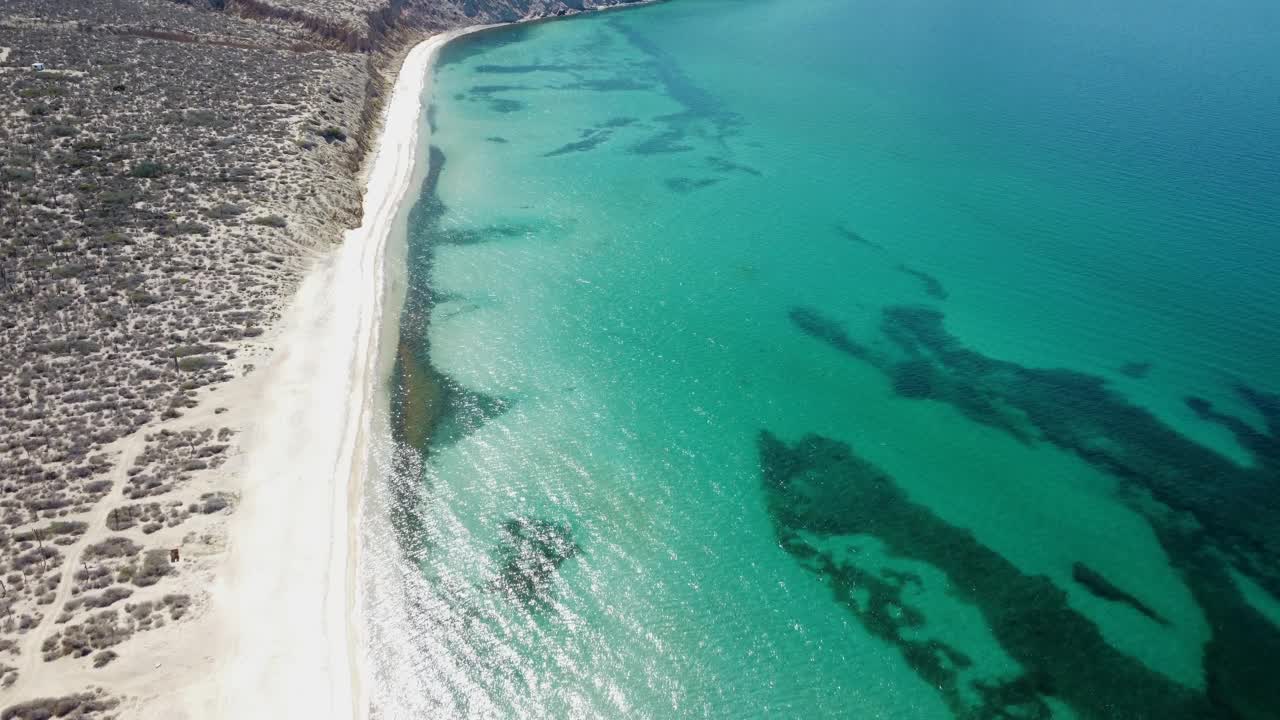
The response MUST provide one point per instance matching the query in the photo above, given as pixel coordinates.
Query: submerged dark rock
(857, 237)
(591, 139)
(429, 410)
(686, 185)
(1265, 446)
(932, 285)
(817, 325)
(479, 235)
(1209, 513)
(703, 115)
(524, 69)
(1099, 586)
(728, 166)
(819, 487)
(1135, 370)
(1082, 415)
(489, 94)
(529, 556)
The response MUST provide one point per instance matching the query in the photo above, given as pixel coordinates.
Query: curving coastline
(205, 470)
(292, 656)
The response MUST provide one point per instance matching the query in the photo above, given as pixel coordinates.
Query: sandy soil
(273, 630)
(266, 578)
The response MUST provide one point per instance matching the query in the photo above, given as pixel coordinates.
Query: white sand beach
(288, 604)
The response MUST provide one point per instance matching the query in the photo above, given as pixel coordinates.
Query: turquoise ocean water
(841, 359)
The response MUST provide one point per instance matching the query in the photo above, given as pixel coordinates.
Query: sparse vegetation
(84, 706)
(112, 547)
(275, 221)
(147, 169)
(155, 565)
(143, 210)
(101, 630)
(211, 503)
(224, 211)
(333, 134)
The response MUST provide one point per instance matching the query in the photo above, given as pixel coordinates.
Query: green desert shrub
(58, 527)
(123, 196)
(147, 169)
(189, 228)
(18, 173)
(205, 118)
(333, 134)
(224, 210)
(84, 705)
(112, 547)
(210, 503)
(177, 605)
(57, 76)
(185, 350)
(70, 270)
(274, 221)
(108, 597)
(111, 239)
(36, 555)
(142, 297)
(199, 362)
(155, 565)
(37, 91)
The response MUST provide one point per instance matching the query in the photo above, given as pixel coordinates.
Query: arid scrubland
(165, 179)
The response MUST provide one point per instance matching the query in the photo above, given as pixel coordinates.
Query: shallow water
(840, 360)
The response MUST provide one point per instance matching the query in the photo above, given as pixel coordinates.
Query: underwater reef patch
(478, 235)
(490, 94)
(728, 166)
(684, 185)
(479, 44)
(932, 285)
(617, 83)
(1100, 587)
(1135, 370)
(490, 69)
(590, 140)
(857, 237)
(529, 556)
(819, 487)
(428, 409)
(1079, 413)
(703, 115)
(1209, 513)
(815, 324)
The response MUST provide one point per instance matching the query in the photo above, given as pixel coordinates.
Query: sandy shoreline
(255, 469)
(289, 599)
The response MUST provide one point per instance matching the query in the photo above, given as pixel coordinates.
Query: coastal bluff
(170, 170)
